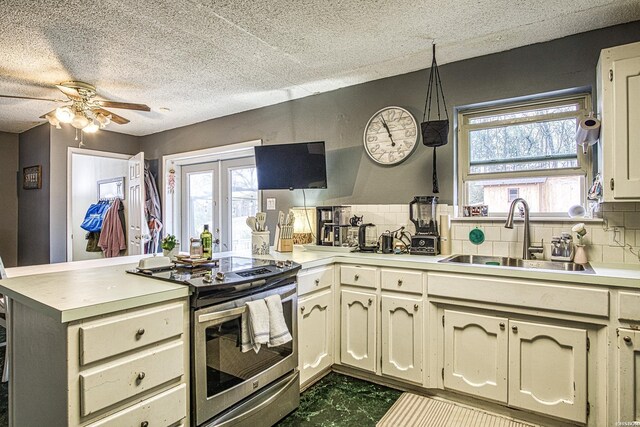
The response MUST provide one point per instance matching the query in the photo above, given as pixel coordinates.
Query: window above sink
(524, 149)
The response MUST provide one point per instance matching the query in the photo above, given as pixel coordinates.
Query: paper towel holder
(588, 132)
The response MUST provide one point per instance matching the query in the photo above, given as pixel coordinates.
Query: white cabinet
(532, 366)
(619, 107)
(548, 369)
(402, 337)
(358, 329)
(315, 332)
(628, 375)
(475, 354)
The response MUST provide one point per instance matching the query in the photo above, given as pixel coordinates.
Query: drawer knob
(317, 282)
(370, 301)
(502, 326)
(627, 340)
(514, 329)
(415, 307)
(140, 332)
(399, 282)
(141, 376)
(302, 309)
(356, 277)
(144, 424)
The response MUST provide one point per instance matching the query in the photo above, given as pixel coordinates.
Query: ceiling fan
(82, 109)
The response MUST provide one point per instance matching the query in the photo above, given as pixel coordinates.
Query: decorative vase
(580, 256)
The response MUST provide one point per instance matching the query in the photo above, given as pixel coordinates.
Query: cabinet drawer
(521, 293)
(358, 276)
(118, 334)
(629, 303)
(106, 385)
(402, 280)
(164, 409)
(314, 279)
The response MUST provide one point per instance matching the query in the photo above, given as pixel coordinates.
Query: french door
(220, 194)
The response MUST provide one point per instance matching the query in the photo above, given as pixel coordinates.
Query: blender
(422, 212)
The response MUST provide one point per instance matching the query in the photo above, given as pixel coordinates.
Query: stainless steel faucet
(527, 249)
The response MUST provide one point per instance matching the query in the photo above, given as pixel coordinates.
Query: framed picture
(32, 177)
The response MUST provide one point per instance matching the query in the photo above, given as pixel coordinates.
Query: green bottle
(206, 239)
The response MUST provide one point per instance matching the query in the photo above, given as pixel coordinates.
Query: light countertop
(77, 290)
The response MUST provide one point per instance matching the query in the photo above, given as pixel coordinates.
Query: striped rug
(411, 410)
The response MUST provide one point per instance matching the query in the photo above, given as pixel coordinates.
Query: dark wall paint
(339, 117)
(9, 198)
(33, 205)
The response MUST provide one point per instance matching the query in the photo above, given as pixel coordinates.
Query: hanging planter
(435, 131)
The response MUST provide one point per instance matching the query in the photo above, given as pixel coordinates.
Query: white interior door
(135, 215)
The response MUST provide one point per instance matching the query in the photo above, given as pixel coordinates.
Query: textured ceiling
(205, 59)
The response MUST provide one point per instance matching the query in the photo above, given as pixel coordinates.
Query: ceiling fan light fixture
(64, 114)
(91, 128)
(103, 120)
(53, 120)
(79, 121)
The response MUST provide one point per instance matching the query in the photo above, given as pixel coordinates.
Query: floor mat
(411, 410)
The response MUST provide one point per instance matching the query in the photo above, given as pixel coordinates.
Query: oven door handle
(203, 318)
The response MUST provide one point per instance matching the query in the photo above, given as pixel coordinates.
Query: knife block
(283, 240)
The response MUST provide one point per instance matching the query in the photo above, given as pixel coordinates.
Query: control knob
(220, 276)
(280, 264)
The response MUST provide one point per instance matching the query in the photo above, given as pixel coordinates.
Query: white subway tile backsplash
(501, 248)
(509, 234)
(630, 257)
(456, 246)
(632, 220)
(612, 254)
(594, 253)
(485, 248)
(460, 232)
(492, 233)
(614, 218)
(469, 248)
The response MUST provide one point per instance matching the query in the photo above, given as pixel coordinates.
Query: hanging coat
(112, 239)
(152, 211)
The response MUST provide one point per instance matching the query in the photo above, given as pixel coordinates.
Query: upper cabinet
(619, 108)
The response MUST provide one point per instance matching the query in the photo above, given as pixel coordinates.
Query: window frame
(465, 114)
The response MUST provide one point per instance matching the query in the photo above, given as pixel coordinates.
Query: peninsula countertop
(82, 289)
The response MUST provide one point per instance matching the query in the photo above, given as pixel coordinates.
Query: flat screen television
(291, 166)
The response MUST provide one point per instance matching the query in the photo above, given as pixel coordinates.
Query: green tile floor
(341, 401)
(4, 387)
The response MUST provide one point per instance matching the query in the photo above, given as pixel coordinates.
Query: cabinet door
(402, 338)
(548, 370)
(315, 334)
(629, 380)
(475, 354)
(358, 334)
(626, 127)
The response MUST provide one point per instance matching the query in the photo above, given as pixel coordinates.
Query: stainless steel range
(229, 387)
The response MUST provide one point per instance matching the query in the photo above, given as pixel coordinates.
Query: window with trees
(524, 150)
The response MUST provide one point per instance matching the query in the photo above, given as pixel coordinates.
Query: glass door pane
(244, 203)
(199, 201)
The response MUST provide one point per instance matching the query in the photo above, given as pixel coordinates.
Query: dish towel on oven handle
(255, 325)
(278, 332)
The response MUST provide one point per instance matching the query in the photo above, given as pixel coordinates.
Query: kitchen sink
(519, 263)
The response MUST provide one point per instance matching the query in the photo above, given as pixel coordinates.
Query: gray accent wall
(9, 198)
(33, 205)
(339, 117)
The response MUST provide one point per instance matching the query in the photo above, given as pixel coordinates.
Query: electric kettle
(367, 238)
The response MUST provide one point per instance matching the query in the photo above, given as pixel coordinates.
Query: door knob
(144, 424)
(399, 282)
(141, 376)
(317, 282)
(514, 329)
(139, 333)
(302, 309)
(415, 307)
(370, 301)
(502, 326)
(356, 277)
(627, 340)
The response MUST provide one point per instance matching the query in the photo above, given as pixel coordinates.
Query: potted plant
(170, 246)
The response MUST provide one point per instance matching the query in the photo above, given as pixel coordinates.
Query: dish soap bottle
(206, 238)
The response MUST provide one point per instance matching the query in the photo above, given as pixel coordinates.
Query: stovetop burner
(225, 276)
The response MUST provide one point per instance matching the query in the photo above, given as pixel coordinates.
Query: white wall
(87, 171)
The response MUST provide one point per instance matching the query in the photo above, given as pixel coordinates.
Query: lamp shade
(303, 224)
(79, 121)
(64, 114)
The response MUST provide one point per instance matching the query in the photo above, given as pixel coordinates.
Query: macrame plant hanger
(435, 133)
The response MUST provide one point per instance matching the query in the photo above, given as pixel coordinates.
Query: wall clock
(391, 136)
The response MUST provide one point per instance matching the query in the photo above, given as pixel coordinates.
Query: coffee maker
(422, 212)
(332, 225)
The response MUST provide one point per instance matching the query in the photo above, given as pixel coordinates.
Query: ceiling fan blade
(70, 92)
(122, 105)
(114, 117)
(29, 97)
(44, 116)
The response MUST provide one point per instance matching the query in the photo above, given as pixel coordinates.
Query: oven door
(222, 374)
